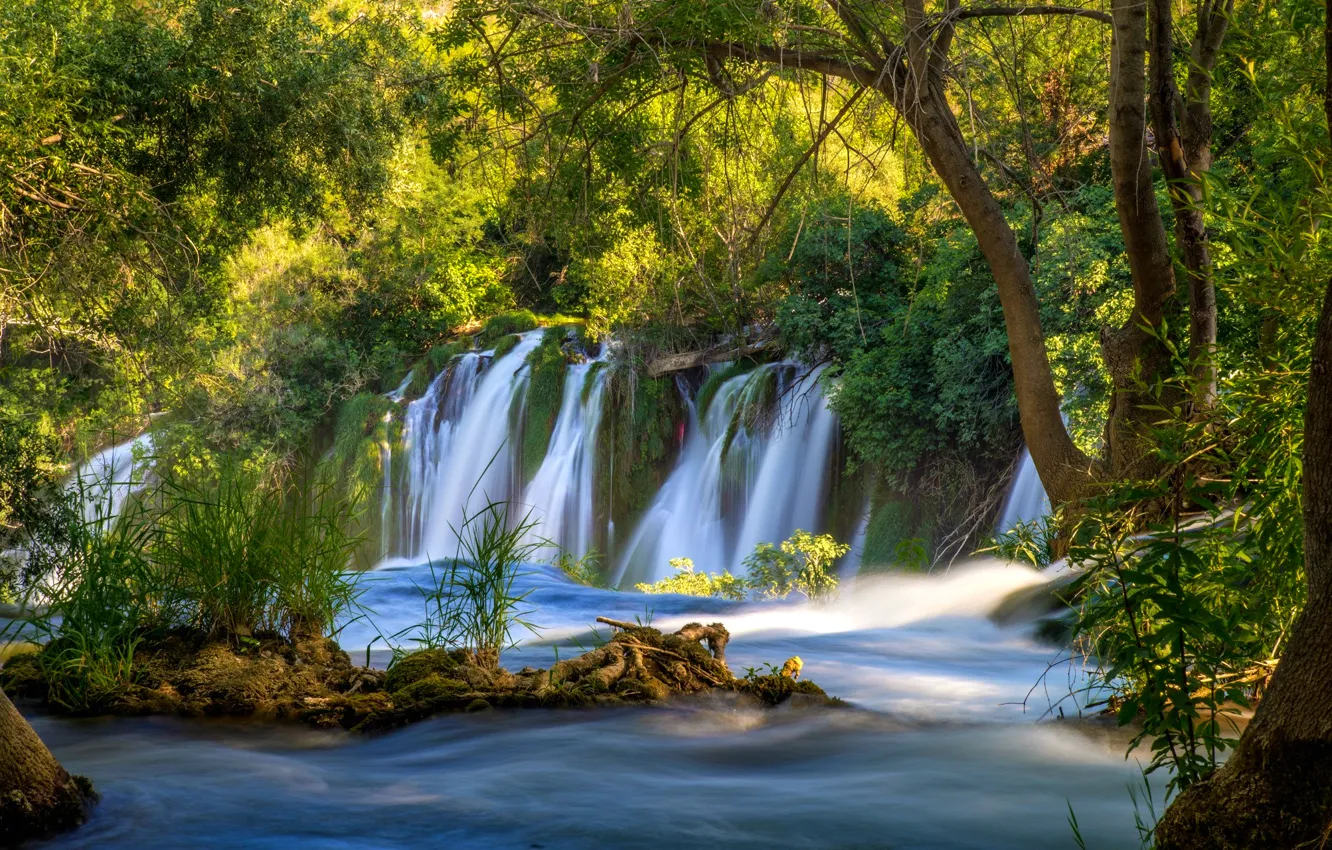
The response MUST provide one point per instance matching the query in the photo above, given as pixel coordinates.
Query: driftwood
(667, 363)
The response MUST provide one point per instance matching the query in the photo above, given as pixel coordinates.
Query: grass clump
(471, 603)
(586, 570)
(503, 324)
(225, 559)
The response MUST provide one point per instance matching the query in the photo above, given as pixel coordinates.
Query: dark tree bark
(1276, 791)
(1183, 130)
(37, 796)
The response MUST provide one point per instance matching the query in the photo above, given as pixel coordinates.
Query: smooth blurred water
(937, 753)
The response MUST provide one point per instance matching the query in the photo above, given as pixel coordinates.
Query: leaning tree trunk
(1276, 791)
(37, 796)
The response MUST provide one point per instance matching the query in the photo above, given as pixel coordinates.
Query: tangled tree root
(637, 665)
(316, 682)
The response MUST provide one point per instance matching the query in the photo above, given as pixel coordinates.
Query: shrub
(803, 564)
(690, 583)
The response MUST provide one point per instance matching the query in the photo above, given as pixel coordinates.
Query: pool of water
(947, 744)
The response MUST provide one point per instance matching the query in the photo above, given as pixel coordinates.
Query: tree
(902, 52)
(1276, 790)
(37, 796)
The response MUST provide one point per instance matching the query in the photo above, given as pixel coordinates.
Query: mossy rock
(418, 665)
(22, 676)
(505, 345)
(775, 690)
(503, 324)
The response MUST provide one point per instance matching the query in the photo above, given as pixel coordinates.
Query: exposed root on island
(315, 681)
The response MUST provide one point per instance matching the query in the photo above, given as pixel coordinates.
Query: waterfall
(560, 496)
(755, 465)
(460, 446)
(739, 483)
(105, 481)
(1027, 501)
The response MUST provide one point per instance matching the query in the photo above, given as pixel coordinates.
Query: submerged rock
(315, 681)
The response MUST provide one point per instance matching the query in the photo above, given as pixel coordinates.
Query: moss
(22, 676)
(418, 665)
(639, 439)
(440, 356)
(418, 382)
(515, 322)
(590, 380)
(505, 345)
(775, 690)
(708, 391)
(547, 366)
(756, 409)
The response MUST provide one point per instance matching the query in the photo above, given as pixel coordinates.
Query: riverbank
(313, 680)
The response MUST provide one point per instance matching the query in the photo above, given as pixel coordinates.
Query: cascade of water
(561, 494)
(107, 479)
(459, 448)
(1027, 501)
(739, 481)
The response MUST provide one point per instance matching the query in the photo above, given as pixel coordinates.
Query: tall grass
(89, 590)
(472, 603)
(244, 557)
(226, 558)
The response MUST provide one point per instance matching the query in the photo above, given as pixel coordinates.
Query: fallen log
(667, 363)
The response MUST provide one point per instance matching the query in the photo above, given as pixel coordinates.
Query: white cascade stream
(721, 501)
(462, 440)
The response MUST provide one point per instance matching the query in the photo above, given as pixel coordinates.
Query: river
(936, 752)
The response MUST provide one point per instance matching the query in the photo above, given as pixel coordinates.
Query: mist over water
(937, 752)
(949, 740)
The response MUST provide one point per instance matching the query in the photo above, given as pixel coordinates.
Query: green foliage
(471, 603)
(585, 570)
(803, 563)
(547, 365)
(503, 324)
(690, 583)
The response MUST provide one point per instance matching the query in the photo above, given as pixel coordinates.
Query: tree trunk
(37, 796)
(1064, 469)
(1183, 129)
(1134, 356)
(1276, 791)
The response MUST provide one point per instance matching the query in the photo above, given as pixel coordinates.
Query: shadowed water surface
(938, 755)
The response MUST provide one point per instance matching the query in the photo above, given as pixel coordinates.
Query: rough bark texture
(1276, 791)
(1183, 130)
(37, 796)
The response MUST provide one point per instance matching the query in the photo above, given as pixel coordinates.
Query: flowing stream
(936, 752)
(953, 738)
